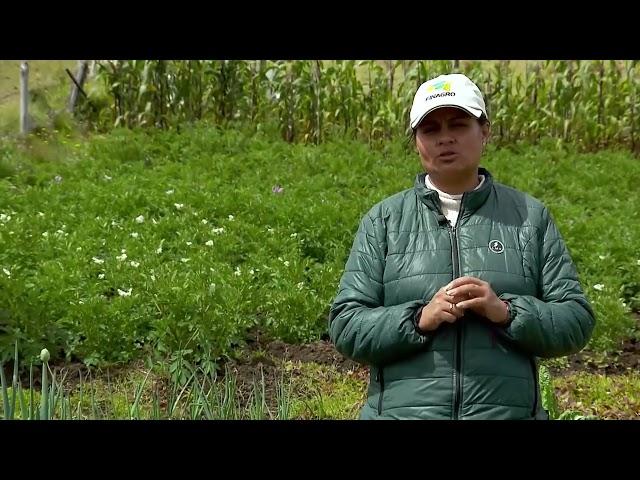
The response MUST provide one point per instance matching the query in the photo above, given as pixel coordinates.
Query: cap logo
(496, 246)
(446, 86)
(441, 94)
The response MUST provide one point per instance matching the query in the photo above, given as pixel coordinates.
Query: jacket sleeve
(561, 321)
(360, 326)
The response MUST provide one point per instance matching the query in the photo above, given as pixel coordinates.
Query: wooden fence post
(77, 85)
(24, 98)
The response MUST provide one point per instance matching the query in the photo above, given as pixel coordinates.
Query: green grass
(603, 396)
(324, 392)
(217, 252)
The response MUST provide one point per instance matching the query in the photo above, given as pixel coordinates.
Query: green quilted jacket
(405, 250)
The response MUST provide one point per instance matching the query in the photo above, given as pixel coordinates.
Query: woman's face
(450, 143)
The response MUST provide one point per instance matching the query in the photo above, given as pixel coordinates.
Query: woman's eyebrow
(459, 116)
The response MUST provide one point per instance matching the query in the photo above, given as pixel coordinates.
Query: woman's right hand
(438, 310)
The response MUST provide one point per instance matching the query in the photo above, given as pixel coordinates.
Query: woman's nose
(445, 138)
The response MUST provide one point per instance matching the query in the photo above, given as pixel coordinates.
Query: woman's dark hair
(411, 141)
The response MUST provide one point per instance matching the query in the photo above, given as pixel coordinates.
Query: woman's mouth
(448, 155)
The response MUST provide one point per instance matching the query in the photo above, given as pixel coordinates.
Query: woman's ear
(414, 141)
(486, 133)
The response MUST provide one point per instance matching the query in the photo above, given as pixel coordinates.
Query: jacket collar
(471, 201)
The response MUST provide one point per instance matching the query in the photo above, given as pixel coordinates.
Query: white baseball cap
(453, 90)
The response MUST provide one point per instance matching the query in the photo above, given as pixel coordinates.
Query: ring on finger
(451, 306)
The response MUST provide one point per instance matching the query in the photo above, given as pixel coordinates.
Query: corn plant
(589, 103)
(342, 98)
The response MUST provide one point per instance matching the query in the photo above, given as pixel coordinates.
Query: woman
(453, 288)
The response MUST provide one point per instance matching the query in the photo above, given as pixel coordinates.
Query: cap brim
(471, 111)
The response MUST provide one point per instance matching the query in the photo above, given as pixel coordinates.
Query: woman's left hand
(478, 296)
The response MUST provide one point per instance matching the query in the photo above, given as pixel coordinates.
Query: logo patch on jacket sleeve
(496, 246)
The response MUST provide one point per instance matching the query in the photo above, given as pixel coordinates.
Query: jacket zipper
(455, 259)
(380, 379)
